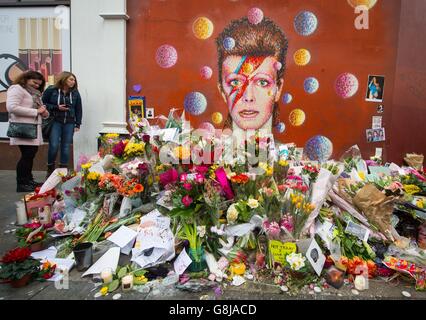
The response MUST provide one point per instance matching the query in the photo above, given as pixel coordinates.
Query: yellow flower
(150, 180)
(86, 165)
(411, 188)
(112, 135)
(269, 171)
(361, 175)
(104, 291)
(420, 203)
(93, 176)
(263, 165)
(283, 163)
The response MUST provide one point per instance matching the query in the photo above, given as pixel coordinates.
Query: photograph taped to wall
(370, 135)
(375, 88)
(379, 135)
(150, 113)
(380, 108)
(136, 108)
(377, 122)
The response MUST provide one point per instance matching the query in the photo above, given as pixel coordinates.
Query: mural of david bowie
(251, 75)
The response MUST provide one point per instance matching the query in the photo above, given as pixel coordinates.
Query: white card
(377, 122)
(49, 253)
(379, 152)
(357, 230)
(124, 238)
(108, 260)
(169, 134)
(182, 262)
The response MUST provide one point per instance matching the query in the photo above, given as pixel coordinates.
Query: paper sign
(169, 134)
(124, 237)
(280, 250)
(108, 260)
(54, 179)
(377, 122)
(49, 253)
(379, 152)
(380, 170)
(357, 230)
(182, 262)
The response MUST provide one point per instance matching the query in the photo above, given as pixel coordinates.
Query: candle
(361, 283)
(21, 213)
(127, 282)
(106, 276)
(334, 278)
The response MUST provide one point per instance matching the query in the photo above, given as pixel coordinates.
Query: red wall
(336, 47)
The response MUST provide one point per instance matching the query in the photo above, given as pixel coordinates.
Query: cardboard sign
(280, 250)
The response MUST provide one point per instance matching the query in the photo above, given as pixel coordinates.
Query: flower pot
(38, 246)
(198, 260)
(21, 282)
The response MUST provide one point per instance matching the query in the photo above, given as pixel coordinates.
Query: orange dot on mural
(297, 117)
(203, 28)
(368, 3)
(302, 57)
(217, 118)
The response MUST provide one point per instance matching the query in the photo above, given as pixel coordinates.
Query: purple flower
(146, 138)
(143, 168)
(118, 149)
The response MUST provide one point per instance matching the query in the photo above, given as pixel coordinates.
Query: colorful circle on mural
(287, 98)
(206, 72)
(195, 103)
(255, 15)
(280, 127)
(202, 28)
(217, 118)
(297, 117)
(311, 85)
(302, 57)
(368, 3)
(166, 56)
(346, 85)
(319, 148)
(207, 126)
(305, 23)
(228, 43)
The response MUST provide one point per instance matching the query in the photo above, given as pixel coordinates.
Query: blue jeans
(61, 135)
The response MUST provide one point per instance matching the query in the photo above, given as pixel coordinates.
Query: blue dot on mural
(229, 43)
(287, 98)
(319, 148)
(280, 127)
(195, 103)
(305, 23)
(311, 85)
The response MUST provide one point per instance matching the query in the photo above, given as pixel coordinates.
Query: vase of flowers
(18, 267)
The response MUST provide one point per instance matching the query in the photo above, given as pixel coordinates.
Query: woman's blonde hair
(62, 79)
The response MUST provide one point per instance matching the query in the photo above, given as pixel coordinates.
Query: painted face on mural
(250, 88)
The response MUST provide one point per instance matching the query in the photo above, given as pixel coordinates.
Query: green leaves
(122, 272)
(113, 285)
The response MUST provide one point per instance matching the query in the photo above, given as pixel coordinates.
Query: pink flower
(201, 169)
(395, 185)
(170, 176)
(187, 201)
(287, 222)
(183, 177)
(187, 186)
(199, 178)
(272, 228)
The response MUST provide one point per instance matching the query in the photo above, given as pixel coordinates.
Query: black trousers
(24, 166)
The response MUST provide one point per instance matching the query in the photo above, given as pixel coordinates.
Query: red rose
(16, 255)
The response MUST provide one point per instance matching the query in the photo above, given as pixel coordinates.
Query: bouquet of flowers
(30, 233)
(108, 141)
(110, 182)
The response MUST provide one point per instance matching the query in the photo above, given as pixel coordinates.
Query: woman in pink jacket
(25, 106)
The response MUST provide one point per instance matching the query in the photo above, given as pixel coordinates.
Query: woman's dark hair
(23, 78)
(262, 39)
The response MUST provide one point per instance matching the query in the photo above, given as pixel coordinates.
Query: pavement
(86, 288)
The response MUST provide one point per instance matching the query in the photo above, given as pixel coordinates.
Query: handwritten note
(182, 262)
(280, 250)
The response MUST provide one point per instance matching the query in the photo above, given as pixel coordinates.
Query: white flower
(232, 213)
(253, 203)
(201, 230)
(296, 261)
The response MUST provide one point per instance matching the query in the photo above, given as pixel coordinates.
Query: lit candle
(21, 213)
(127, 282)
(334, 278)
(106, 276)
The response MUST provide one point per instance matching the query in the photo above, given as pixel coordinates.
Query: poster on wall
(31, 39)
(375, 88)
(137, 108)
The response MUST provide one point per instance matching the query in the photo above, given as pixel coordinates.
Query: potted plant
(18, 267)
(190, 232)
(31, 235)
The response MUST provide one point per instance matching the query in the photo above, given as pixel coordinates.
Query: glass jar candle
(106, 275)
(127, 282)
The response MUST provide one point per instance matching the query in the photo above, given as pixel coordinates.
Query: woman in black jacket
(63, 101)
